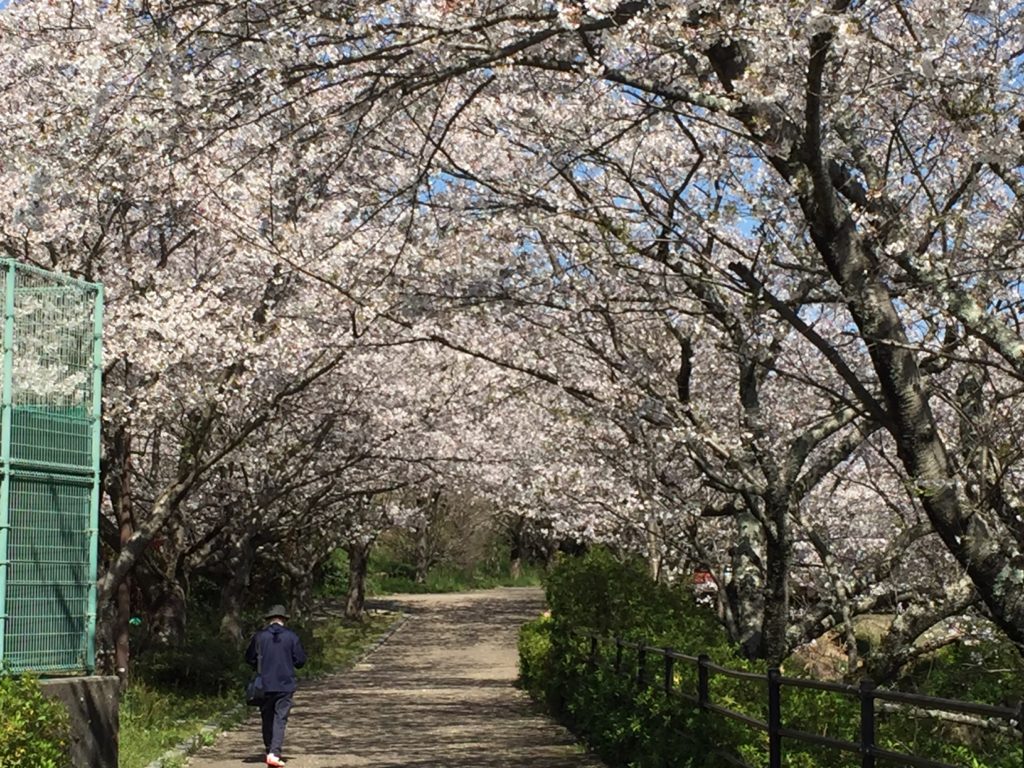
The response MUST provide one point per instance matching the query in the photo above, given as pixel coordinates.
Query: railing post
(867, 723)
(774, 719)
(703, 687)
(641, 667)
(618, 655)
(670, 671)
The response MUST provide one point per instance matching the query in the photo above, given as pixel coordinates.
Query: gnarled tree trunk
(232, 597)
(358, 562)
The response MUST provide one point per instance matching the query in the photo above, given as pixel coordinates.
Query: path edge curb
(396, 625)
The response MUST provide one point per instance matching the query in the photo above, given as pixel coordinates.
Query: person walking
(278, 652)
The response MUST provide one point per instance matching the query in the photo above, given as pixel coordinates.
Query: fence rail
(866, 693)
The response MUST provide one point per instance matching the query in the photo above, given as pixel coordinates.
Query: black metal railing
(866, 692)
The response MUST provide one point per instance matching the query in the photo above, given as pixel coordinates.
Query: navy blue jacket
(282, 654)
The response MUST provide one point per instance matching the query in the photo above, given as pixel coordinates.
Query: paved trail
(437, 694)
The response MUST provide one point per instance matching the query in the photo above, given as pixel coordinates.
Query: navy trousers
(274, 713)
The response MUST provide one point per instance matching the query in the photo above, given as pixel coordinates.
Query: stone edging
(195, 742)
(198, 740)
(392, 628)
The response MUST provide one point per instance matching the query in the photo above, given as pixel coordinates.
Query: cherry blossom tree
(208, 335)
(866, 148)
(765, 256)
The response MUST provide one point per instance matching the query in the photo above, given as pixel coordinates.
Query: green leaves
(609, 596)
(34, 730)
(626, 725)
(638, 726)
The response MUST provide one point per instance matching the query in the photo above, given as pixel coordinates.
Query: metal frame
(94, 508)
(73, 460)
(5, 446)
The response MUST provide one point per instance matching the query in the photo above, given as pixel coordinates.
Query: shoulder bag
(254, 692)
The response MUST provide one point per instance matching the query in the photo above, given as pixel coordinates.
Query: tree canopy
(734, 284)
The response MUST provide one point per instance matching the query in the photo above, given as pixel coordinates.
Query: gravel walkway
(438, 693)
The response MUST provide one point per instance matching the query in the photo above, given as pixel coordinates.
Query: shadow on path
(438, 693)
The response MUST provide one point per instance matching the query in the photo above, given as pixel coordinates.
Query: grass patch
(154, 720)
(337, 644)
(159, 710)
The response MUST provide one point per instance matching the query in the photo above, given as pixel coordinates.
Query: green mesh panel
(49, 579)
(51, 438)
(49, 477)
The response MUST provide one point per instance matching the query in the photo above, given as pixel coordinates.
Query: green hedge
(634, 727)
(626, 727)
(34, 730)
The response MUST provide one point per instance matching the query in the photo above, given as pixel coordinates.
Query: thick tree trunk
(119, 488)
(232, 598)
(778, 563)
(422, 552)
(358, 562)
(170, 616)
(516, 546)
(140, 538)
(515, 563)
(654, 557)
(992, 561)
(746, 589)
(301, 591)
(122, 643)
(170, 612)
(970, 532)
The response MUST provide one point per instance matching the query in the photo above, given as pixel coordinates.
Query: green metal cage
(50, 465)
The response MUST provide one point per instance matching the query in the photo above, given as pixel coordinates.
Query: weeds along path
(439, 694)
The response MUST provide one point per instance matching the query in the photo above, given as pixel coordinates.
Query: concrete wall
(93, 705)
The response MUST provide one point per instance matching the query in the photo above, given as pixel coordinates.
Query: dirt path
(438, 693)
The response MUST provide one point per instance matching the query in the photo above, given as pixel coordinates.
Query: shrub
(987, 669)
(204, 662)
(602, 594)
(535, 655)
(627, 725)
(34, 729)
(332, 575)
(638, 726)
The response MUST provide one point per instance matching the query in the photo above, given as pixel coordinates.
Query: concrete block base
(93, 705)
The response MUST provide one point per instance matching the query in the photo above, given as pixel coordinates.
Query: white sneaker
(274, 760)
